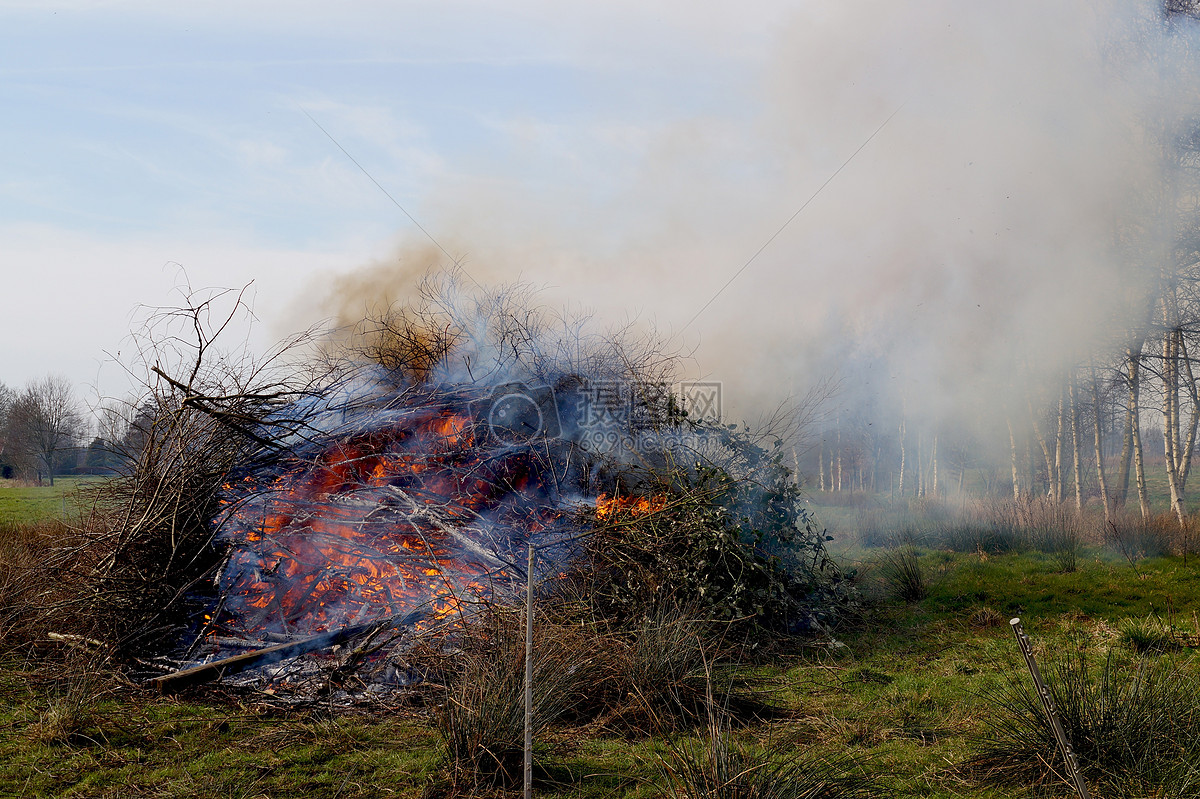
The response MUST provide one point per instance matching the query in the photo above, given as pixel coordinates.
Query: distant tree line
(45, 432)
(1116, 425)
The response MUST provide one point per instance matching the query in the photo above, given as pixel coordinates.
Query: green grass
(902, 692)
(23, 504)
(130, 744)
(1100, 588)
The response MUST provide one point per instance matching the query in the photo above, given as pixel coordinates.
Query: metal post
(529, 676)
(1064, 744)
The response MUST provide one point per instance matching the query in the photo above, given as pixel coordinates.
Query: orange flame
(634, 506)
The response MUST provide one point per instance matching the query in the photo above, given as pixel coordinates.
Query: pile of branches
(138, 569)
(123, 573)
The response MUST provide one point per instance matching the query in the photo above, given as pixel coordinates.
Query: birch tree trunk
(1139, 466)
(839, 453)
(1074, 411)
(1133, 363)
(935, 465)
(1099, 436)
(1171, 438)
(821, 467)
(1012, 443)
(1045, 445)
(1190, 441)
(1058, 448)
(920, 463)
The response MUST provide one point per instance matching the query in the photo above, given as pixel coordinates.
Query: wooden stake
(529, 675)
(1064, 744)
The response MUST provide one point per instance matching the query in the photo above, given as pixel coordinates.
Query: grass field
(903, 691)
(24, 503)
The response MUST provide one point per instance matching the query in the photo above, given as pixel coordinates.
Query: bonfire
(352, 510)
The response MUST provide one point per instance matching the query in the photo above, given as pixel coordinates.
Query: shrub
(731, 548)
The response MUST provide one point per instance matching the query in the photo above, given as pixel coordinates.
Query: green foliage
(733, 541)
(693, 551)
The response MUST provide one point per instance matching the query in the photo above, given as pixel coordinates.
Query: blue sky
(140, 136)
(628, 156)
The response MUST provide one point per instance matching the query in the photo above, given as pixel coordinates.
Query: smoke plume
(996, 228)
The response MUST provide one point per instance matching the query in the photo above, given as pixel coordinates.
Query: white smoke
(987, 235)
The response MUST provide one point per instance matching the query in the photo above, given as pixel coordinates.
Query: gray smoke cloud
(995, 229)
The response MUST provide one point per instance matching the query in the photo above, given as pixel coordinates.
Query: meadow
(24, 502)
(918, 695)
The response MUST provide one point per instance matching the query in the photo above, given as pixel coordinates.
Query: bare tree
(43, 424)
(7, 397)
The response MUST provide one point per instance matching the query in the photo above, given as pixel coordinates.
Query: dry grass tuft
(719, 767)
(985, 617)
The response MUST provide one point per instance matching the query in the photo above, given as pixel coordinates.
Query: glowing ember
(420, 511)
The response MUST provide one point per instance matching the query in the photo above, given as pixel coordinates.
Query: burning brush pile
(300, 527)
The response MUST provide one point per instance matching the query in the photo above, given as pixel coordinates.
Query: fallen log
(217, 669)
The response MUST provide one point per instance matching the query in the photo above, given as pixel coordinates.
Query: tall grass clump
(1148, 636)
(38, 561)
(71, 716)
(886, 526)
(1135, 728)
(661, 673)
(1010, 525)
(1136, 538)
(1053, 528)
(482, 720)
(658, 672)
(991, 526)
(968, 533)
(647, 674)
(903, 574)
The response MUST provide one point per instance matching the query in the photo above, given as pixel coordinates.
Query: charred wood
(217, 669)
